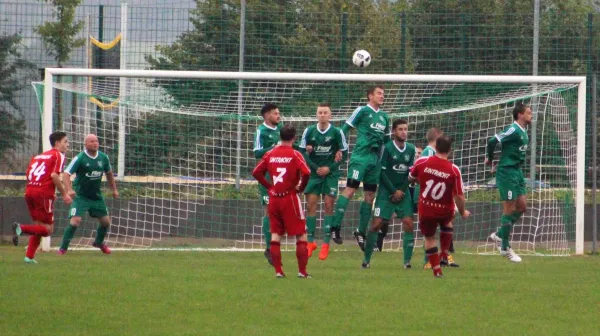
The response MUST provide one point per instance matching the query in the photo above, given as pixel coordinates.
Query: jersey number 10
(437, 192)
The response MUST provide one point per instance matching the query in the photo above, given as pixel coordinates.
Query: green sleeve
(342, 144)
(313, 166)
(258, 154)
(346, 128)
(491, 145)
(353, 120)
(388, 136)
(259, 150)
(73, 167)
(384, 179)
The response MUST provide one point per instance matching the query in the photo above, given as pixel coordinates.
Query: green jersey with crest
(89, 171)
(265, 139)
(373, 129)
(325, 144)
(514, 142)
(395, 163)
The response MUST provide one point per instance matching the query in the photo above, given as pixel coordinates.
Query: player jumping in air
(509, 176)
(287, 167)
(89, 167)
(43, 177)
(373, 126)
(325, 140)
(266, 138)
(441, 193)
(393, 196)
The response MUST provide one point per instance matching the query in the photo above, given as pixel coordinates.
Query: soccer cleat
(279, 275)
(427, 265)
(324, 252)
(360, 240)
(365, 265)
(336, 235)
(311, 247)
(103, 247)
(16, 228)
(304, 276)
(61, 251)
(30, 261)
(497, 240)
(269, 257)
(407, 265)
(510, 255)
(449, 262)
(438, 275)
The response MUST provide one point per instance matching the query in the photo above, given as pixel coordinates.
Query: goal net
(181, 146)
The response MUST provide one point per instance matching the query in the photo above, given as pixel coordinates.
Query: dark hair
(57, 136)
(325, 104)
(398, 122)
(287, 132)
(519, 108)
(371, 90)
(433, 134)
(443, 144)
(268, 107)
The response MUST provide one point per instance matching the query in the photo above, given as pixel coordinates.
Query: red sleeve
(58, 162)
(261, 169)
(458, 182)
(414, 170)
(301, 163)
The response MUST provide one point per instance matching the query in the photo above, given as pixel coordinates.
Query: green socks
(408, 244)
(327, 228)
(266, 229)
(311, 226)
(100, 234)
(504, 231)
(69, 233)
(365, 217)
(340, 210)
(370, 245)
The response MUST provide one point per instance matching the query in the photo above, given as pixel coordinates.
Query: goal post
(470, 108)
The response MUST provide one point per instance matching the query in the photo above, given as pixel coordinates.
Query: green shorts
(327, 185)
(365, 169)
(95, 208)
(264, 195)
(510, 182)
(384, 208)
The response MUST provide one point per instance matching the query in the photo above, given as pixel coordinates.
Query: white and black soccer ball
(361, 58)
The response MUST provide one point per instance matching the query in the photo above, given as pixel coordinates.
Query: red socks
(302, 255)
(276, 256)
(434, 260)
(38, 230)
(445, 241)
(34, 243)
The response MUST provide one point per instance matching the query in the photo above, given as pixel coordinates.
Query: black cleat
(336, 236)
(360, 240)
(268, 256)
(446, 263)
(16, 229)
(365, 265)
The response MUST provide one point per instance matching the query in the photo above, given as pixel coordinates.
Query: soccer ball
(361, 58)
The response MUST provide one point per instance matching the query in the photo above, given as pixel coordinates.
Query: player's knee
(407, 225)
(311, 208)
(376, 225)
(371, 188)
(75, 221)
(353, 184)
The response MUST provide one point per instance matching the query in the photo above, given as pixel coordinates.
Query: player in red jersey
(440, 187)
(43, 177)
(287, 168)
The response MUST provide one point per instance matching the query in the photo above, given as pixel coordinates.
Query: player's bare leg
(312, 201)
(512, 212)
(37, 230)
(302, 256)
(101, 233)
(408, 241)
(371, 240)
(431, 250)
(74, 223)
(328, 203)
(266, 230)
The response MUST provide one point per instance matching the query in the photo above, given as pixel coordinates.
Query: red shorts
(40, 208)
(286, 215)
(428, 226)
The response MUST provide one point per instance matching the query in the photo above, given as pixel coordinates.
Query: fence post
(240, 107)
(594, 164)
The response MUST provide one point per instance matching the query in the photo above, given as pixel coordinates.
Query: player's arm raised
(353, 120)
(458, 193)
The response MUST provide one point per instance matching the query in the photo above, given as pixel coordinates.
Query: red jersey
(285, 166)
(439, 182)
(39, 173)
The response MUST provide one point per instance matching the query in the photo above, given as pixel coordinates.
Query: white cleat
(497, 240)
(511, 255)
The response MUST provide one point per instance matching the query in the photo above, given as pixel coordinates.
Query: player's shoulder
(410, 146)
(309, 129)
(422, 160)
(102, 155)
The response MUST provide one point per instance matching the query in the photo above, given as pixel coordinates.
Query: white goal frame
(580, 81)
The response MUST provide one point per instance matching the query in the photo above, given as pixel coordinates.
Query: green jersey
(395, 163)
(89, 171)
(325, 144)
(265, 139)
(428, 151)
(514, 142)
(373, 127)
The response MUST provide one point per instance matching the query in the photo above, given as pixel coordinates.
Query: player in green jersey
(373, 130)
(89, 166)
(325, 141)
(393, 196)
(509, 176)
(267, 137)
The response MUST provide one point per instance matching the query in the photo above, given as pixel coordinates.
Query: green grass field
(233, 293)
